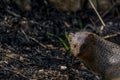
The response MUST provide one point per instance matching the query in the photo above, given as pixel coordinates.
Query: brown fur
(99, 54)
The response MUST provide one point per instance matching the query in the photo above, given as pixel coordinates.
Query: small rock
(63, 67)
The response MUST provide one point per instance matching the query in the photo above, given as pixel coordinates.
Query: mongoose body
(100, 55)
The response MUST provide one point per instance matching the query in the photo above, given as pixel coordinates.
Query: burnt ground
(28, 52)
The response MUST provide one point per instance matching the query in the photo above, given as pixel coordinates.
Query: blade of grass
(61, 40)
(81, 24)
(66, 36)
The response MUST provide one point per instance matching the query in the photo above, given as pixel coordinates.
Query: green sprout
(66, 46)
(81, 24)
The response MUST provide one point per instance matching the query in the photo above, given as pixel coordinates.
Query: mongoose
(97, 53)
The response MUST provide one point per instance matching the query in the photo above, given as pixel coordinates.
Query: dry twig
(112, 35)
(91, 3)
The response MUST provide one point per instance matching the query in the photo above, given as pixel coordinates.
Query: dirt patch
(28, 52)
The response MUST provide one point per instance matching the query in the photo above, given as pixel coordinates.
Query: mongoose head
(82, 44)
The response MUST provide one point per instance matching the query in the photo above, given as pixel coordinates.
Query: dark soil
(28, 52)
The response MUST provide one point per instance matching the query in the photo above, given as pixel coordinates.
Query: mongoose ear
(91, 37)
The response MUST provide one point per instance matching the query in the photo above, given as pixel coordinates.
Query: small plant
(81, 24)
(62, 41)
